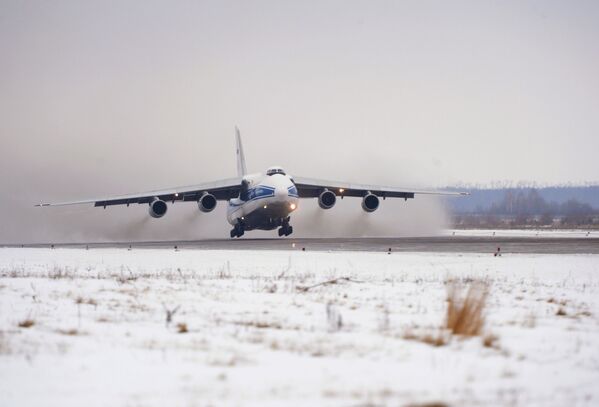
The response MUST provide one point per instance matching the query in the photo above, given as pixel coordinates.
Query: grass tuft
(59, 272)
(465, 312)
(490, 341)
(69, 332)
(334, 318)
(260, 324)
(434, 339)
(4, 345)
(89, 301)
(26, 323)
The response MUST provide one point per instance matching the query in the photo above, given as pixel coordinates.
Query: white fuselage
(268, 202)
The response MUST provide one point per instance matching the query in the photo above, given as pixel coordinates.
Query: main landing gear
(285, 228)
(237, 231)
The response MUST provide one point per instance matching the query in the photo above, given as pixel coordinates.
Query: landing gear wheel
(237, 231)
(285, 230)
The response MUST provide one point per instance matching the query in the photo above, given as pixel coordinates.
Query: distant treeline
(553, 206)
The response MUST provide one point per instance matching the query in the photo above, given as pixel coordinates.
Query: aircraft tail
(241, 168)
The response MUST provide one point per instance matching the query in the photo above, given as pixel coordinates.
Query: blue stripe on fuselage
(259, 192)
(262, 191)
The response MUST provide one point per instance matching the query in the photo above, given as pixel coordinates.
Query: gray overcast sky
(114, 97)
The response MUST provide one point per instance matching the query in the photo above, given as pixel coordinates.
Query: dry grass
(123, 279)
(331, 281)
(434, 339)
(182, 327)
(334, 317)
(530, 321)
(561, 312)
(59, 272)
(490, 341)
(89, 301)
(260, 324)
(26, 323)
(465, 312)
(4, 345)
(465, 315)
(69, 332)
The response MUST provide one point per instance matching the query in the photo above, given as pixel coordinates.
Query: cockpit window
(272, 171)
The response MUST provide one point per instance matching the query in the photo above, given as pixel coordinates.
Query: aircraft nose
(281, 193)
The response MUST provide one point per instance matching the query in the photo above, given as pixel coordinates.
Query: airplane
(258, 201)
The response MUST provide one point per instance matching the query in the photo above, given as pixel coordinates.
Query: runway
(438, 244)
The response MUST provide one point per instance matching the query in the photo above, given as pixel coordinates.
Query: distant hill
(485, 200)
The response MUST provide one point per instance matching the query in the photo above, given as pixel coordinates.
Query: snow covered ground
(99, 335)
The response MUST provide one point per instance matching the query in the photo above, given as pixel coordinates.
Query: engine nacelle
(157, 208)
(207, 202)
(370, 202)
(327, 199)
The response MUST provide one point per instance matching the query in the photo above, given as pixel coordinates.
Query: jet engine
(157, 208)
(207, 202)
(327, 199)
(370, 202)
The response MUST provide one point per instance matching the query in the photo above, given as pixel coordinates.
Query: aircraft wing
(222, 190)
(311, 188)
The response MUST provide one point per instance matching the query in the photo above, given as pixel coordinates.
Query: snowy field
(90, 328)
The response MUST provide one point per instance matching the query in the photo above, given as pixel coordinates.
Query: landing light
(292, 206)
(341, 190)
(265, 206)
(176, 194)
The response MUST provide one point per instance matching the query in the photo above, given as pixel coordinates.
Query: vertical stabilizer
(241, 169)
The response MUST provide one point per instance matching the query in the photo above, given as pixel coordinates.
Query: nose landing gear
(285, 228)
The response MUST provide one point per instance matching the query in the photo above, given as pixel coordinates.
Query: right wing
(311, 188)
(222, 190)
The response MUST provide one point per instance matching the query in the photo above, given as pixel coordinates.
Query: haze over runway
(98, 98)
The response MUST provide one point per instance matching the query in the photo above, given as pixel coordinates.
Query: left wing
(311, 188)
(222, 190)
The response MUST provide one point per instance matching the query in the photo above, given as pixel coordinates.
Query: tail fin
(241, 169)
